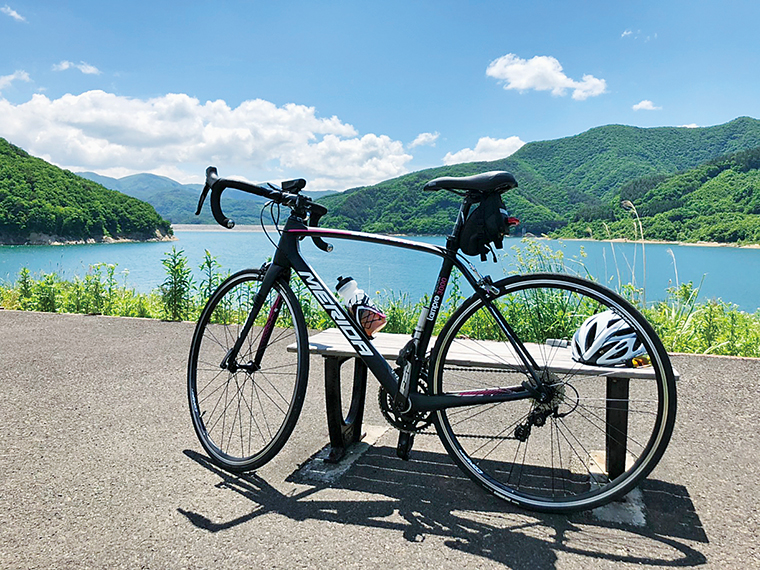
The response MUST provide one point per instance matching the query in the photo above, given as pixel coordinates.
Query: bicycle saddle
(485, 183)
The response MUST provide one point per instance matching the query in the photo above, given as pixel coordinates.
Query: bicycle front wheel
(598, 431)
(244, 414)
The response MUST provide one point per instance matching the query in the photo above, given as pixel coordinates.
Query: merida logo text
(335, 313)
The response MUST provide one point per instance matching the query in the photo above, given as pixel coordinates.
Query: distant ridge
(559, 180)
(571, 187)
(177, 202)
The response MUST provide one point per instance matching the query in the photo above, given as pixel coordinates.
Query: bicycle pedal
(404, 447)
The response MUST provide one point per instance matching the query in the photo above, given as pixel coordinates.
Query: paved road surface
(100, 468)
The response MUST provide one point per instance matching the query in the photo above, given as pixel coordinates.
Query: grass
(683, 322)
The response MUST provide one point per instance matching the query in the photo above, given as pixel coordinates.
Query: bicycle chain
(491, 370)
(537, 416)
(423, 420)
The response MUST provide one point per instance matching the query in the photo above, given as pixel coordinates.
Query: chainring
(412, 422)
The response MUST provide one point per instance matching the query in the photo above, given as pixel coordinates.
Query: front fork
(229, 362)
(266, 334)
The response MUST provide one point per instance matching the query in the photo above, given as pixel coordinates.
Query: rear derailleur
(537, 417)
(553, 395)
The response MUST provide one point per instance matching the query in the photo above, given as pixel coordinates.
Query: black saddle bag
(487, 224)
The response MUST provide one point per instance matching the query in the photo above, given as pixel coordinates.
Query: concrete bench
(336, 350)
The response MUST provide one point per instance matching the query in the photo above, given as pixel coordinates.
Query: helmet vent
(590, 336)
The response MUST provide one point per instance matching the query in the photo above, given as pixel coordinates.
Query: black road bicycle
(513, 409)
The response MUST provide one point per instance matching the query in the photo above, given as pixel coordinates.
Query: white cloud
(645, 105)
(6, 80)
(690, 126)
(424, 139)
(82, 66)
(638, 35)
(88, 69)
(486, 149)
(542, 73)
(8, 11)
(63, 66)
(178, 136)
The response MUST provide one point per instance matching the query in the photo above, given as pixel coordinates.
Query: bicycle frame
(568, 445)
(288, 257)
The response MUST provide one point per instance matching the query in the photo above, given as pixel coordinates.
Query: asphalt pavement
(100, 468)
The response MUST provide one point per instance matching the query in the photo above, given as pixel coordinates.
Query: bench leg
(343, 431)
(617, 425)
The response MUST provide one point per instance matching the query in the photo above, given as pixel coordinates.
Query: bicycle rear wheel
(602, 429)
(244, 415)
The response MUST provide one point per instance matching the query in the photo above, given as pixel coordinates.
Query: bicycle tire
(243, 418)
(561, 465)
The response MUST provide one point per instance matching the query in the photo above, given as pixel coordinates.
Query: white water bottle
(360, 307)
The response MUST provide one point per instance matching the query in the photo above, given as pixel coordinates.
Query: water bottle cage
(359, 306)
(368, 317)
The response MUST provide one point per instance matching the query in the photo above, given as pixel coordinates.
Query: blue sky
(351, 93)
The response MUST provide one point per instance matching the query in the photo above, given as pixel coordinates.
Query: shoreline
(45, 239)
(256, 228)
(655, 242)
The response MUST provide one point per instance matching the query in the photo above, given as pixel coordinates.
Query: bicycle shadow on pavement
(428, 496)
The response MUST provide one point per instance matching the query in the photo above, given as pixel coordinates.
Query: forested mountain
(687, 184)
(38, 199)
(173, 201)
(577, 178)
(177, 202)
(718, 201)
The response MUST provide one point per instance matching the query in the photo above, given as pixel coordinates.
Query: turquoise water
(729, 273)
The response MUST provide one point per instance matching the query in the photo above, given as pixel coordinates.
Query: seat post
(452, 240)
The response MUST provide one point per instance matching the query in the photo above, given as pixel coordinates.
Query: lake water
(725, 272)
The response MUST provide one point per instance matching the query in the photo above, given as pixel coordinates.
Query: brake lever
(204, 193)
(211, 177)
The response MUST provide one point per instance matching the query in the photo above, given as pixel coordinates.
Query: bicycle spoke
(263, 414)
(244, 416)
(550, 457)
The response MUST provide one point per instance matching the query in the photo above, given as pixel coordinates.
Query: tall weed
(683, 322)
(176, 288)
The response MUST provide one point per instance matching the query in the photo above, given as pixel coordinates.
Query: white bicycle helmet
(605, 339)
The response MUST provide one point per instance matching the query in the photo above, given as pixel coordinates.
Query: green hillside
(574, 178)
(400, 205)
(718, 201)
(38, 199)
